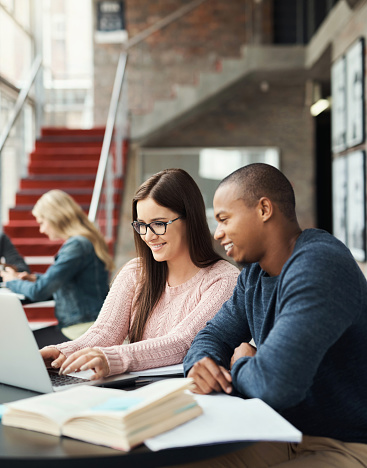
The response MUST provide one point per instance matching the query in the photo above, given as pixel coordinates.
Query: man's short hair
(262, 180)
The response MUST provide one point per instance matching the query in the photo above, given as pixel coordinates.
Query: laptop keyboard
(59, 380)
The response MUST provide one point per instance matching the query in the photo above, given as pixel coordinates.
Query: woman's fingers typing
(52, 357)
(89, 358)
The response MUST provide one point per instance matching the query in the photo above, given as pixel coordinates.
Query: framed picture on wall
(355, 94)
(339, 107)
(340, 193)
(356, 205)
(110, 24)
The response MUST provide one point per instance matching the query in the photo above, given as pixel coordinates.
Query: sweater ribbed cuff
(115, 362)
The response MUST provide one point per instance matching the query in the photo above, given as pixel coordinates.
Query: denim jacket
(78, 281)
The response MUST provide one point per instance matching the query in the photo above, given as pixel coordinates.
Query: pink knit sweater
(179, 315)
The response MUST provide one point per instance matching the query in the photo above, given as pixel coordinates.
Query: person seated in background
(162, 298)
(79, 278)
(10, 256)
(302, 298)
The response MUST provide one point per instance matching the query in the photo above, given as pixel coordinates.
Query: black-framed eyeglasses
(157, 227)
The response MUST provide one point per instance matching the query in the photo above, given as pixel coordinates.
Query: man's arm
(213, 346)
(319, 297)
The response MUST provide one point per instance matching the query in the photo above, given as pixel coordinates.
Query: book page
(228, 419)
(61, 406)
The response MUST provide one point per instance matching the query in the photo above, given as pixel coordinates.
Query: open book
(104, 416)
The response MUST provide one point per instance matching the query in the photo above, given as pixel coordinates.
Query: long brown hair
(174, 189)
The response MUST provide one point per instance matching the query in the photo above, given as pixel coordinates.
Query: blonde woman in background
(78, 279)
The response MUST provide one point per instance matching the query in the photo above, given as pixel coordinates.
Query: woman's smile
(157, 247)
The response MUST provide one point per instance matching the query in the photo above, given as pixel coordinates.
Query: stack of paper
(228, 419)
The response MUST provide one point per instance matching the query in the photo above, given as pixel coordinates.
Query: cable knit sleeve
(175, 321)
(112, 324)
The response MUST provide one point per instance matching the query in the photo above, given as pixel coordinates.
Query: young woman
(78, 280)
(161, 299)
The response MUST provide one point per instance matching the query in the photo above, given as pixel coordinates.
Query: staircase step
(24, 212)
(39, 264)
(60, 150)
(57, 164)
(52, 181)
(63, 131)
(36, 246)
(30, 196)
(21, 212)
(74, 142)
(63, 155)
(41, 312)
(62, 182)
(39, 268)
(55, 167)
(22, 228)
(81, 196)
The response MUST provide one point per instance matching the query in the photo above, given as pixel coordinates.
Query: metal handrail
(117, 86)
(22, 97)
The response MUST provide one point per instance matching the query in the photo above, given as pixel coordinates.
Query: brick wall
(195, 43)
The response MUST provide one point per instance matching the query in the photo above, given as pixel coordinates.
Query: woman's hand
(52, 357)
(243, 350)
(88, 358)
(9, 274)
(24, 275)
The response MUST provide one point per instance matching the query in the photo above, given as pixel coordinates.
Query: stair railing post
(107, 137)
(109, 199)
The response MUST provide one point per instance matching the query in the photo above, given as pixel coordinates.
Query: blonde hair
(68, 219)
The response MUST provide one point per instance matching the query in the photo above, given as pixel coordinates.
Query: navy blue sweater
(310, 328)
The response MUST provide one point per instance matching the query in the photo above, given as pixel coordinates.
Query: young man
(303, 300)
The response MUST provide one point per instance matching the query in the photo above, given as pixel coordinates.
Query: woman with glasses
(160, 300)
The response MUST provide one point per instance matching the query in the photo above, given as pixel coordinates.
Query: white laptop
(21, 362)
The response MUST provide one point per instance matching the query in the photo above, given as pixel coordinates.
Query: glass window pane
(22, 12)
(15, 50)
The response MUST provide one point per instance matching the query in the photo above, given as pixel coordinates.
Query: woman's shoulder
(77, 242)
(78, 239)
(130, 268)
(223, 268)
(131, 265)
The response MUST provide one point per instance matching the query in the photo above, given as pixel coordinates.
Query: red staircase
(65, 159)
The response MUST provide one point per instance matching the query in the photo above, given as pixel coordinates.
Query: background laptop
(21, 362)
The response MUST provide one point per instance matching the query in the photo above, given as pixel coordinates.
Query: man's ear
(265, 208)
